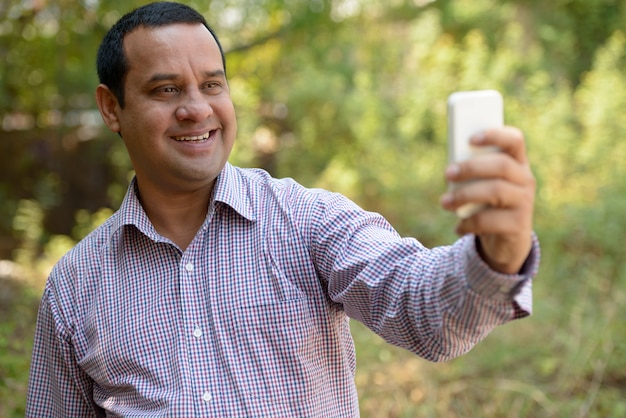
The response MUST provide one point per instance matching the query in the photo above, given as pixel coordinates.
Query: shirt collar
(132, 213)
(230, 188)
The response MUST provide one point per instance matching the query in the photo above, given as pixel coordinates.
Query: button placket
(198, 327)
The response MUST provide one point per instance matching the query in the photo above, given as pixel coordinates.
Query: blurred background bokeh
(350, 95)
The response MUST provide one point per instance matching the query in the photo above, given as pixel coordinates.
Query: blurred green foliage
(351, 96)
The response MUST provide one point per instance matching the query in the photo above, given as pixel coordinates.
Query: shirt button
(189, 267)
(206, 397)
(197, 333)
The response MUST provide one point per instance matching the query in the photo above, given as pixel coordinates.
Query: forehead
(171, 47)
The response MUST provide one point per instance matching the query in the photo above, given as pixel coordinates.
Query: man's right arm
(57, 386)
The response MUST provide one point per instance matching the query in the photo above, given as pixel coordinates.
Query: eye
(212, 86)
(166, 90)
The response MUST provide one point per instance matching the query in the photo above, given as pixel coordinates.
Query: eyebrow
(216, 73)
(166, 77)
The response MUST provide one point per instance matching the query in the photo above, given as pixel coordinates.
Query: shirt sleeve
(437, 303)
(57, 386)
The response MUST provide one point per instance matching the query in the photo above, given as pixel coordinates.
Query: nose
(195, 106)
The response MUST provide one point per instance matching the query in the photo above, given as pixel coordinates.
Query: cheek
(148, 120)
(224, 105)
(228, 115)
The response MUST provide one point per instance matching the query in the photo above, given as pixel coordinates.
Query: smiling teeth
(192, 138)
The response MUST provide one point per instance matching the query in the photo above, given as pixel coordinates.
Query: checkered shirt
(252, 319)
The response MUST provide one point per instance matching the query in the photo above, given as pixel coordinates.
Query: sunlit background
(351, 96)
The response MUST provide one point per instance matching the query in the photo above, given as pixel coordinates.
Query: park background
(351, 96)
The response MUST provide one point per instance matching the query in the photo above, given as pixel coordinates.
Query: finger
(491, 221)
(494, 193)
(508, 139)
(486, 166)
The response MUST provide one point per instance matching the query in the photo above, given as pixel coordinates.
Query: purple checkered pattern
(252, 319)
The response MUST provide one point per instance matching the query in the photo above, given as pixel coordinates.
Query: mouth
(195, 138)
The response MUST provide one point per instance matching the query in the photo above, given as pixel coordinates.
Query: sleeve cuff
(502, 287)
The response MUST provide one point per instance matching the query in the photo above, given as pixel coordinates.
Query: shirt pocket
(278, 348)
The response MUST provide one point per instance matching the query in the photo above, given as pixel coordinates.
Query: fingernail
(479, 138)
(453, 171)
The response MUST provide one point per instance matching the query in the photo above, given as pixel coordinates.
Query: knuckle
(500, 190)
(515, 134)
(507, 167)
(459, 196)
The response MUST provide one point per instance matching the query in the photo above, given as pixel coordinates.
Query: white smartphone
(470, 112)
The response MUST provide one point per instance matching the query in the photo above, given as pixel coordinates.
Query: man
(220, 291)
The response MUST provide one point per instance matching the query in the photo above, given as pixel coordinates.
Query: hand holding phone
(470, 112)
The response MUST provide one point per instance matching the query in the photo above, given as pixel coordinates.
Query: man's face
(178, 121)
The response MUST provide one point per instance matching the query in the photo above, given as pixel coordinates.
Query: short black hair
(111, 61)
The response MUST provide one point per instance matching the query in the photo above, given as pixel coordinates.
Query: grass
(18, 308)
(529, 368)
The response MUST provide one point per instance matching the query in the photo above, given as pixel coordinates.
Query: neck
(176, 215)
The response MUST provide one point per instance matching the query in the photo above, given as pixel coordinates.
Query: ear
(108, 106)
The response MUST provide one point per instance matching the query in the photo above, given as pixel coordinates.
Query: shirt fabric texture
(252, 319)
